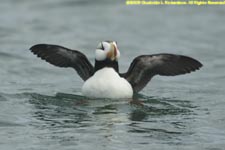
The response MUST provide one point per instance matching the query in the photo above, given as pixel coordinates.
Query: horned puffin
(103, 80)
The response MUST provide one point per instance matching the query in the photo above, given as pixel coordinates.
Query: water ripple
(3, 98)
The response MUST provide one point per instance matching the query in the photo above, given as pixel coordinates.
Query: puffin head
(107, 50)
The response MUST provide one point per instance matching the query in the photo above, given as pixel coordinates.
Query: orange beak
(112, 53)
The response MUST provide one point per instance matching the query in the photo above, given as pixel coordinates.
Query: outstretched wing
(144, 67)
(64, 57)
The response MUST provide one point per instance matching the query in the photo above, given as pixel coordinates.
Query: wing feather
(144, 67)
(64, 57)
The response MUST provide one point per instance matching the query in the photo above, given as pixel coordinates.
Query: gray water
(42, 108)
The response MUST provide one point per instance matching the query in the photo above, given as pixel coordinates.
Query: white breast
(106, 83)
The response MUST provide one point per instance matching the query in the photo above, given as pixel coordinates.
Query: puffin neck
(106, 63)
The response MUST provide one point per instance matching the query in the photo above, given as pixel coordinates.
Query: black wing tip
(185, 65)
(196, 63)
(200, 65)
(194, 67)
(37, 47)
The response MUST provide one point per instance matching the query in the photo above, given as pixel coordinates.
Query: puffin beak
(112, 54)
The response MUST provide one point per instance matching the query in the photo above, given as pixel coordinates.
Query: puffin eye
(102, 47)
(105, 46)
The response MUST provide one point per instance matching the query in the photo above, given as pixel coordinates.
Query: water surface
(41, 106)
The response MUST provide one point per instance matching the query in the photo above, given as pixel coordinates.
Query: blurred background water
(41, 106)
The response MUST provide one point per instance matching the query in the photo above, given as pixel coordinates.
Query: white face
(107, 50)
